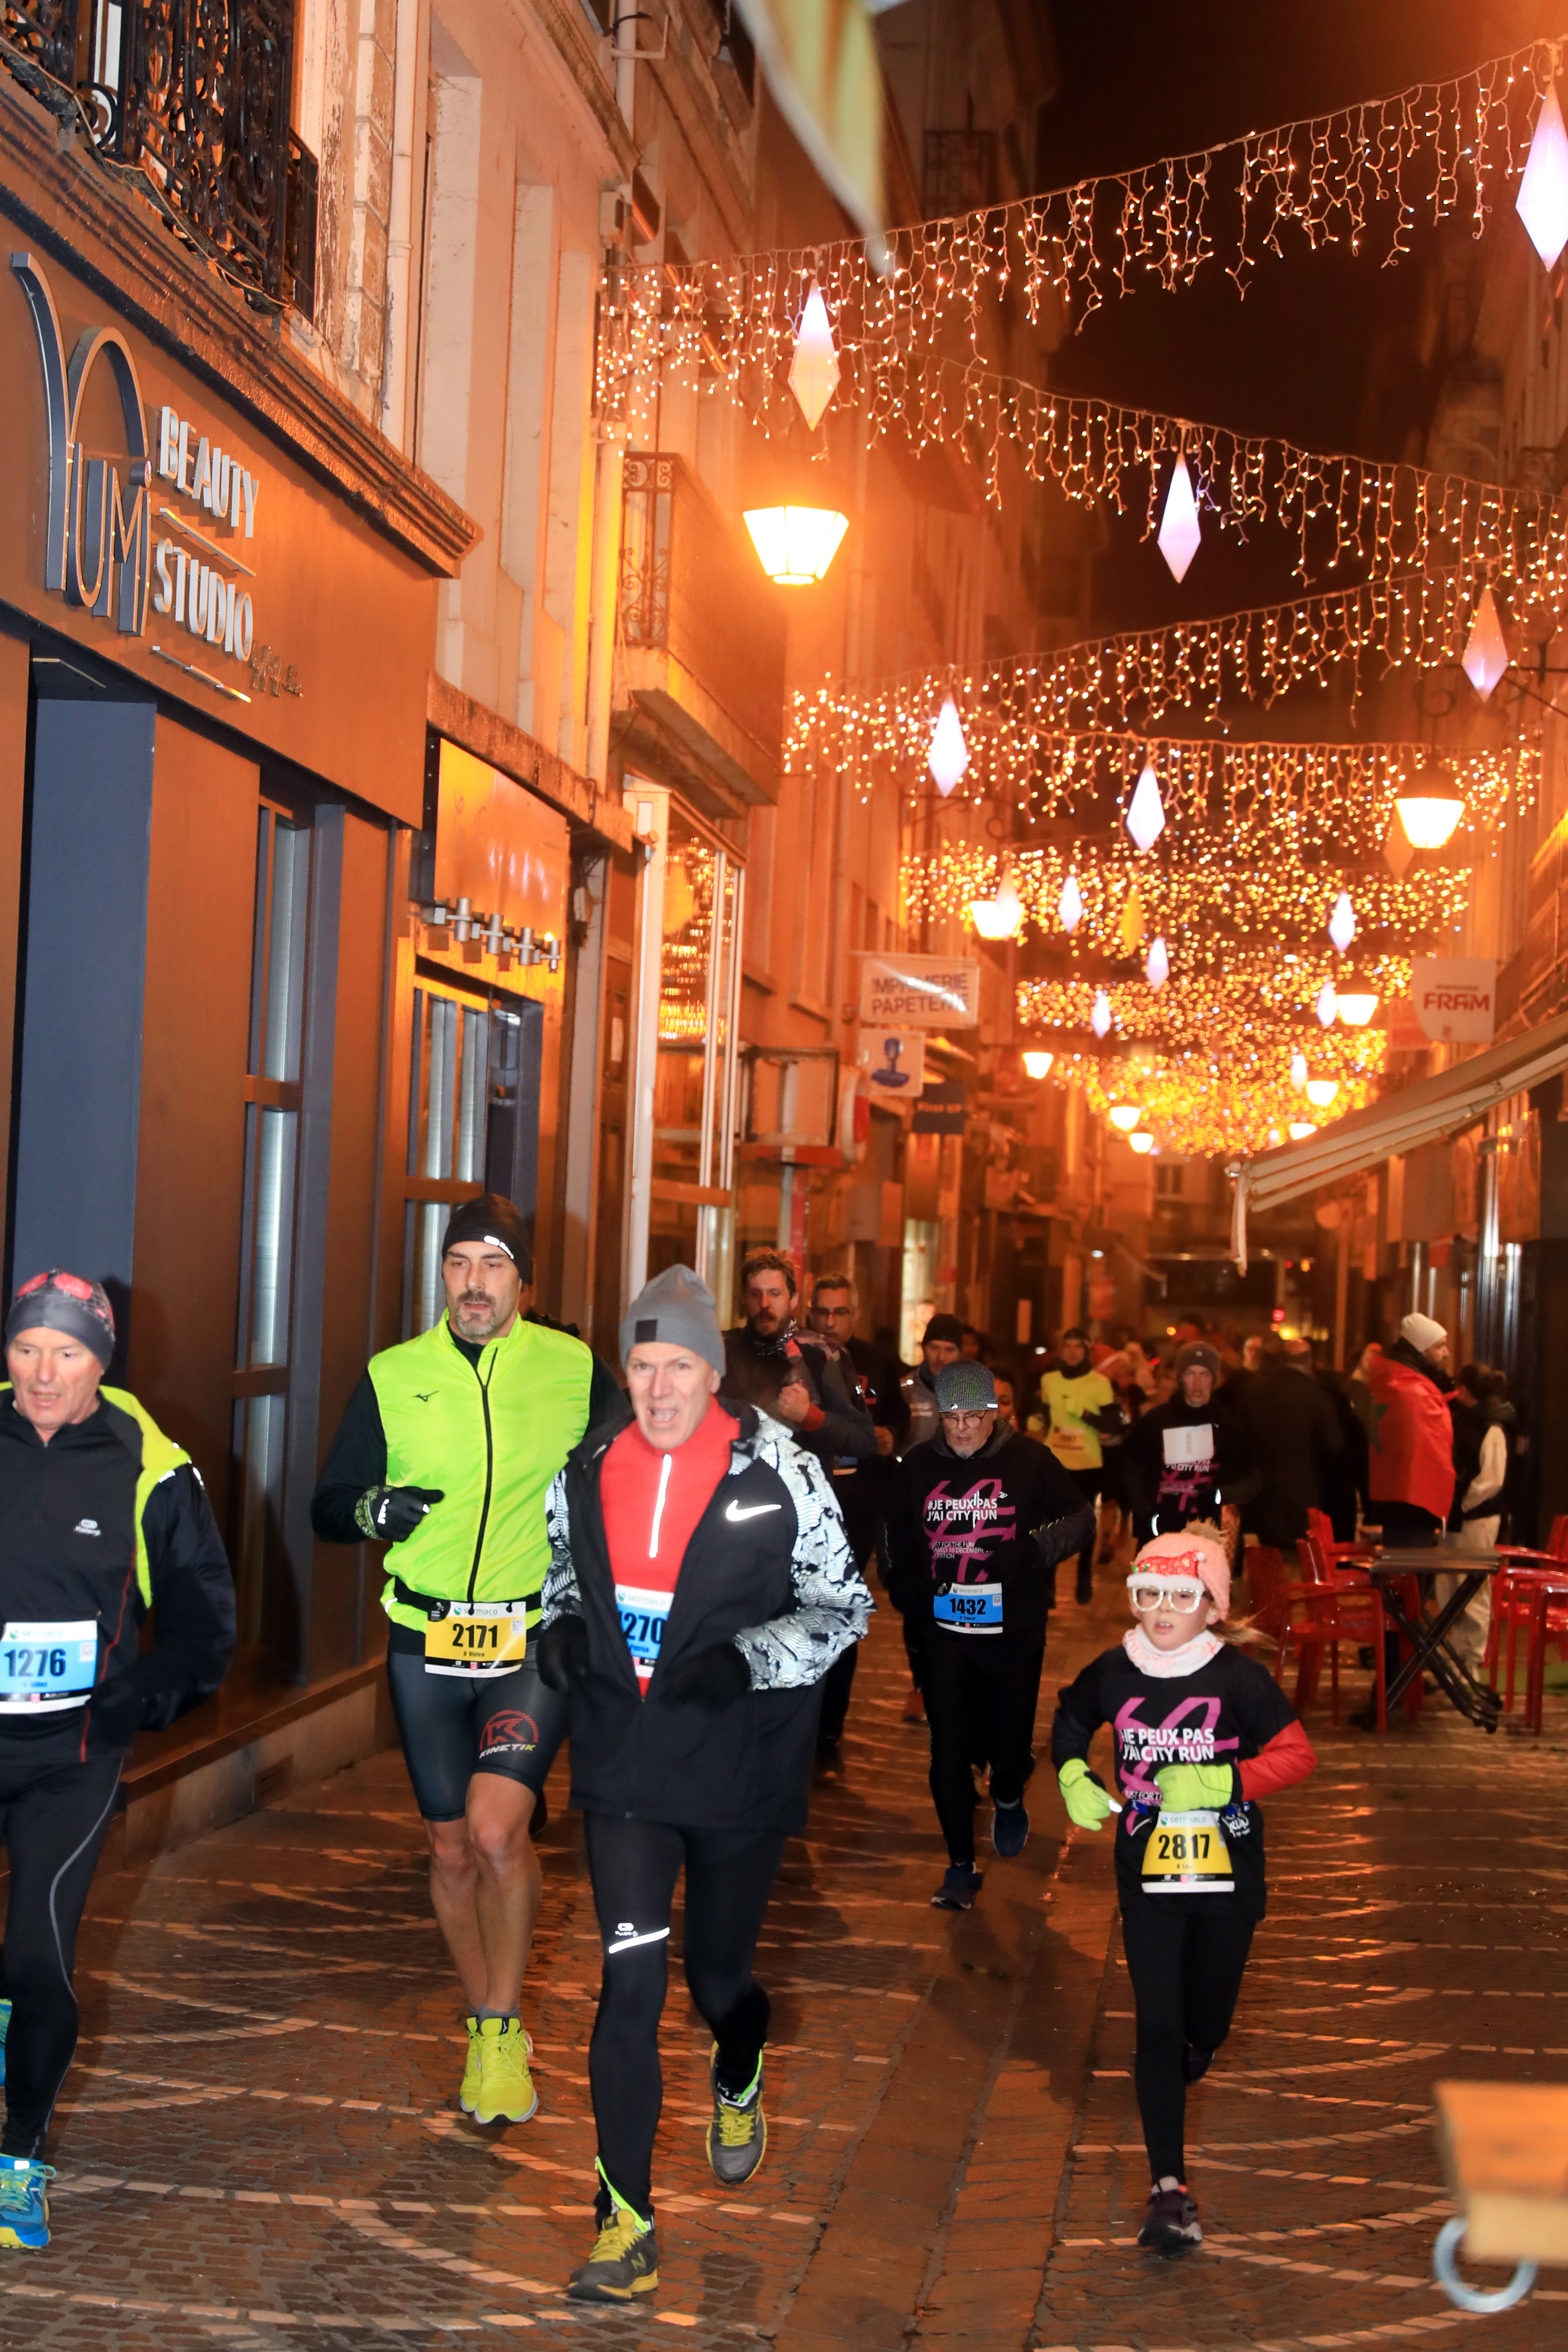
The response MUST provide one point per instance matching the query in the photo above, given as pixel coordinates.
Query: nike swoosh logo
(750, 1510)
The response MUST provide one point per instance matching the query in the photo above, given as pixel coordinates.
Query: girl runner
(1200, 1732)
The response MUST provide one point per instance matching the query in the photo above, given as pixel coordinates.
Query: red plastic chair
(1534, 1597)
(1332, 1612)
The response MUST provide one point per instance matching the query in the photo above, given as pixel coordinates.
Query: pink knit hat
(1191, 1554)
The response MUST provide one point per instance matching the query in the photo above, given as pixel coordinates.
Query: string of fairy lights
(1200, 1103)
(1361, 175)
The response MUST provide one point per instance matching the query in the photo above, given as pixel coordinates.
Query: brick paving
(260, 2145)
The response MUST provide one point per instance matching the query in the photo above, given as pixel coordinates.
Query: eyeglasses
(1184, 1594)
(966, 1420)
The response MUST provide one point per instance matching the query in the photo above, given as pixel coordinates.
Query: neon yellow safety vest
(491, 1441)
(160, 1454)
(1070, 1437)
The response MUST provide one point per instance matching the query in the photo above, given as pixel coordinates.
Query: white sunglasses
(1183, 1593)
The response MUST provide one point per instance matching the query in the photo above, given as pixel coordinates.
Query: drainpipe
(400, 336)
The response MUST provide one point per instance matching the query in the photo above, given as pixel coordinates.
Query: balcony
(702, 638)
(194, 100)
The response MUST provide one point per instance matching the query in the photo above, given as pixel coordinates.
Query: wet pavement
(260, 2144)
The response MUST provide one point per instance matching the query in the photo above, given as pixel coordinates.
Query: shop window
(272, 1096)
(473, 1122)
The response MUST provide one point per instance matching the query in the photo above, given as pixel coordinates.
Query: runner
(1079, 1402)
(977, 1519)
(1193, 1762)
(700, 1588)
(447, 1451)
(101, 1518)
(1189, 1458)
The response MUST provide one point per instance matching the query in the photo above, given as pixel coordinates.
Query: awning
(1422, 1113)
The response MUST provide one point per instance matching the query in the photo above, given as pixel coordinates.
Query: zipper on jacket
(490, 1474)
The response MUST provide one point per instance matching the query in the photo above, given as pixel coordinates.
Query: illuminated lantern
(814, 371)
(1321, 1092)
(1299, 1071)
(1146, 816)
(1179, 532)
(998, 917)
(1125, 1116)
(1328, 1004)
(1341, 922)
(1069, 906)
(1543, 199)
(1142, 1142)
(1430, 811)
(1157, 970)
(1037, 1064)
(949, 753)
(1486, 655)
(1300, 1128)
(1357, 1003)
(795, 544)
(1100, 1019)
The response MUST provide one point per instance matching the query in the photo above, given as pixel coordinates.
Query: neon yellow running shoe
(624, 2262)
(738, 2134)
(506, 2094)
(469, 2094)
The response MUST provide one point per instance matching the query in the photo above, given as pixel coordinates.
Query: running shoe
(468, 2094)
(738, 2135)
(1171, 2223)
(5, 2029)
(1195, 2063)
(506, 2094)
(1085, 1590)
(624, 2262)
(24, 2202)
(961, 1883)
(1010, 1828)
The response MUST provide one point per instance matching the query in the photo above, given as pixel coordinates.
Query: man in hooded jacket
(1190, 1459)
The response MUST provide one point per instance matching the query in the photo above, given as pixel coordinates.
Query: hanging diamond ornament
(1157, 970)
(1146, 816)
(1179, 532)
(1069, 906)
(1543, 199)
(1100, 1019)
(949, 753)
(1486, 655)
(814, 371)
(1298, 1072)
(1341, 923)
(1328, 1004)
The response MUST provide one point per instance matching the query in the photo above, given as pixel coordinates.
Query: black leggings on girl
(1185, 1955)
(634, 1866)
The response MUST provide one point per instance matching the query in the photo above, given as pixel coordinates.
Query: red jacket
(1412, 1459)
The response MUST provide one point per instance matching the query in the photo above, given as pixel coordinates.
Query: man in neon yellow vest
(1079, 1402)
(102, 1520)
(447, 1451)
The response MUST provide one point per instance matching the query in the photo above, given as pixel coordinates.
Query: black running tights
(634, 1866)
(53, 1823)
(980, 1692)
(1186, 1966)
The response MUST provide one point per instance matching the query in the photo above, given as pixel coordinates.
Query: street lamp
(1141, 1142)
(998, 917)
(795, 544)
(1125, 1116)
(1038, 1064)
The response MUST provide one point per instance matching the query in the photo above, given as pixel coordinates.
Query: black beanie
(944, 1326)
(493, 1220)
(58, 1301)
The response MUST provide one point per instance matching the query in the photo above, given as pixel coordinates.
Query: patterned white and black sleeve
(562, 1597)
(833, 1605)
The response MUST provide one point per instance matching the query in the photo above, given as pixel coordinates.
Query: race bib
(477, 1637)
(1188, 1449)
(643, 1617)
(1185, 1854)
(47, 1663)
(968, 1607)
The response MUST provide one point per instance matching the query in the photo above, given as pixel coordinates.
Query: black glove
(1058, 1538)
(561, 1655)
(716, 1676)
(115, 1710)
(388, 1514)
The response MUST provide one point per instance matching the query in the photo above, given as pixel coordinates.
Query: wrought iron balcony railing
(194, 96)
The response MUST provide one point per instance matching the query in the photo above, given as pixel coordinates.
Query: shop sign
(894, 1062)
(104, 551)
(941, 1110)
(919, 992)
(1455, 998)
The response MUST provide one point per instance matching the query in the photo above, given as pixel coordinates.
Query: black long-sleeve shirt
(1004, 1516)
(1182, 1462)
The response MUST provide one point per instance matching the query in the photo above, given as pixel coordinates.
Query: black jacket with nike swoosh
(768, 1568)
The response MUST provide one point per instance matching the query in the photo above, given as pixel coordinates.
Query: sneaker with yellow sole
(624, 2262)
(24, 2202)
(505, 2094)
(738, 2135)
(468, 2092)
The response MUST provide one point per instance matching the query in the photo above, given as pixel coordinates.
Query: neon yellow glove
(1087, 1802)
(1194, 1787)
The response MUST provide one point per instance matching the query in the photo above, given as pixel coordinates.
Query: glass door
(473, 1122)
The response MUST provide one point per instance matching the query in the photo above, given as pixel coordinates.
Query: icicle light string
(1299, 796)
(1219, 912)
(1225, 1014)
(877, 729)
(1435, 149)
(1194, 1107)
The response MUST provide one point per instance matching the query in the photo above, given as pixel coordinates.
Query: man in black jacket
(102, 1520)
(700, 1588)
(1189, 1458)
(978, 1518)
(1295, 1440)
(771, 1362)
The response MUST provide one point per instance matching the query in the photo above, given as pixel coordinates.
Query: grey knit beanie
(677, 1310)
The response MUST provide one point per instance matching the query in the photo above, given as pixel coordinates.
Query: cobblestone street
(260, 2144)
